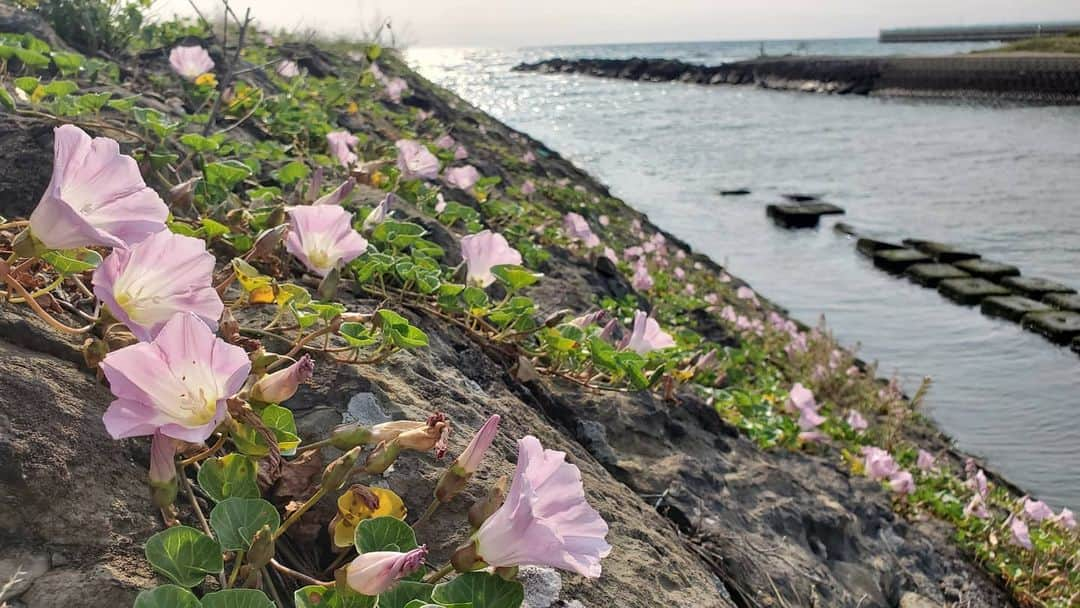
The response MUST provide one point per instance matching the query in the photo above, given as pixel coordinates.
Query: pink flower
(440, 203)
(463, 178)
(528, 158)
(633, 252)
(577, 229)
(592, 318)
(680, 273)
(1037, 510)
(322, 237)
(377, 571)
(337, 195)
(1020, 535)
(813, 437)
(176, 384)
(395, 88)
(470, 459)
(902, 483)
(727, 313)
(341, 144)
(415, 161)
(925, 460)
(162, 464)
(288, 69)
(745, 293)
(190, 62)
(545, 519)
(1066, 519)
(646, 335)
(642, 280)
(604, 220)
(878, 463)
(978, 483)
(609, 253)
(712, 299)
(379, 214)
(282, 384)
(856, 421)
(445, 142)
(528, 188)
(800, 398)
(725, 277)
(377, 72)
(166, 273)
(96, 196)
(976, 507)
(483, 251)
(809, 419)
(460, 153)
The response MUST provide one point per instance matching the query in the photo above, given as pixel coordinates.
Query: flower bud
(327, 288)
(277, 217)
(26, 245)
(466, 559)
(268, 240)
(415, 435)
(484, 507)
(348, 436)
(282, 384)
(377, 571)
(262, 547)
(335, 473)
(380, 459)
(182, 195)
(507, 573)
(455, 478)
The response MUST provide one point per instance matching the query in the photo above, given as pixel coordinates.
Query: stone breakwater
(1024, 78)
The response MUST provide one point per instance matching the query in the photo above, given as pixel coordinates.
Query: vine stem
(439, 574)
(297, 514)
(313, 446)
(434, 506)
(237, 561)
(190, 492)
(57, 325)
(15, 224)
(300, 576)
(208, 452)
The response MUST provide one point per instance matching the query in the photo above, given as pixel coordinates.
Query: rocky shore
(700, 515)
(1033, 78)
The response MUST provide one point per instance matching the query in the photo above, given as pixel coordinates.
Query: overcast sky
(549, 22)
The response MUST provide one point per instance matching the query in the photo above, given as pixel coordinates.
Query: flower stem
(300, 576)
(238, 560)
(208, 452)
(190, 492)
(15, 224)
(439, 574)
(30, 301)
(434, 506)
(313, 446)
(297, 514)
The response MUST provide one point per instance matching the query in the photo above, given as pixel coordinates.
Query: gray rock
(365, 409)
(18, 570)
(914, 600)
(542, 586)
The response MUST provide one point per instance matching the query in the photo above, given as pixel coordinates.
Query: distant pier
(978, 33)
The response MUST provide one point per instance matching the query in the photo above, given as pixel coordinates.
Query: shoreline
(1021, 77)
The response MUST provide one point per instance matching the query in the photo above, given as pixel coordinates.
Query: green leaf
(6, 99)
(67, 63)
(93, 102)
(384, 534)
(214, 228)
(167, 596)
(291, 173)
(32, 59)
(480, 589)
(122, 105)
(72, 261)
(27, 83)
(373, 52)
(405, 592)
(199, 143)
(317, 596)
(226, 174)
(356, 335)
(184, 555)
(236, 520)
(237, 598)
(231, 476)
(280, 420)
(398, 235)
(59, 88)
(515, 277)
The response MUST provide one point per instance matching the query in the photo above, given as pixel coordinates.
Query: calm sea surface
(1003, 180)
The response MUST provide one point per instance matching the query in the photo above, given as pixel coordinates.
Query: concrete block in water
(803, 215)
(943, 253)
(869, 247)
(1012, 308)
(970, 291)
(735, 192)
(1059, 326)
(1064, 301)
(992, 271)
(929, 275)
(1035, 287)
(897, 260)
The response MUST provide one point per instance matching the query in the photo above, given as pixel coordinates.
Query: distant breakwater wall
(1024, 78)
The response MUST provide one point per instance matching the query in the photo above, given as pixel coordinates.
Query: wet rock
(898, 260)
(1012, 308)
(1058, 326)
(929, 275)
(970, 291)
(1064, 301)
(945, 254)
(869, 247)
(736, 192)
(987, 269)
(845, 228)
(804, 215)
(799, 197)
(1034, 287)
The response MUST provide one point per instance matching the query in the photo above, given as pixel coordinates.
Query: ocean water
(1003, 180)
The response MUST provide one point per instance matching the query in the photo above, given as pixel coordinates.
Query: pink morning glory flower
(745, 293)
(976, 507)
(162, 455)
(337, 195)
(610, 254)
(175, 384)
(545, 519)
(878, 463)
(856, 421)
(377, 571)
(288, 69)
(800, 398)
(528, 188)
(1020, 535)
(633, 252)
(463, 178)
(395, 88)
(646, 335)
(1037, 510)
(902, 482)
(483, 251)
(978, 483)
(461, 152)
(445, 142)
(341, 145)
(379, 214)
(679, 273)
(283, 384)
(144, 286)
(642, 280)
(1066, 519)
(925, 460)
(440, 203)
(96, 196)
(473, 455)
(415, 161)
(578, 229)
(321, 236)
(712, 298)
(810, 420)
(190, 62)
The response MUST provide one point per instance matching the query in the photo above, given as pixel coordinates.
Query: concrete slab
(897, 260)
(929, 275)
(803, 215)
(1012, 308)
(869, 247)
(1058, 326)
(1064, 301)
(1035, 287)
(970, 291)
(987, 269)
(942, 252)
(735, 192)
(844, 228)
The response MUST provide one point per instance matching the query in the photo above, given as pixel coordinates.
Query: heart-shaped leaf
(184, 554)
(231, 476)
(317, 596)
(236, 520)
(167, 596)
(480, 589)
(404, 593)
(237, 598)
(384, 534)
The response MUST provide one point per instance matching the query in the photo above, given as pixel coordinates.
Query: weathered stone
(989, 270)
(18, 570)
(1034, 287)
(1064, 301)
(1059, 326)
(941, 252)
(542, 586)
(914, 600)
(929, 275)
(735, 192)
(799, 197)
(803, 215)
(970, 291)
(898, 260)
(844, 228)
(869, 247)
(1012, 308)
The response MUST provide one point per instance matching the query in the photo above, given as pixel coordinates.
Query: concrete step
(1059, 326)
(801, 215)
(869, 247)
(941, 252)
(1012, 308)
(988, 269)
(1064, 301)
(970, 291)
(898, 260)
(929, 275)
(1034, 287)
